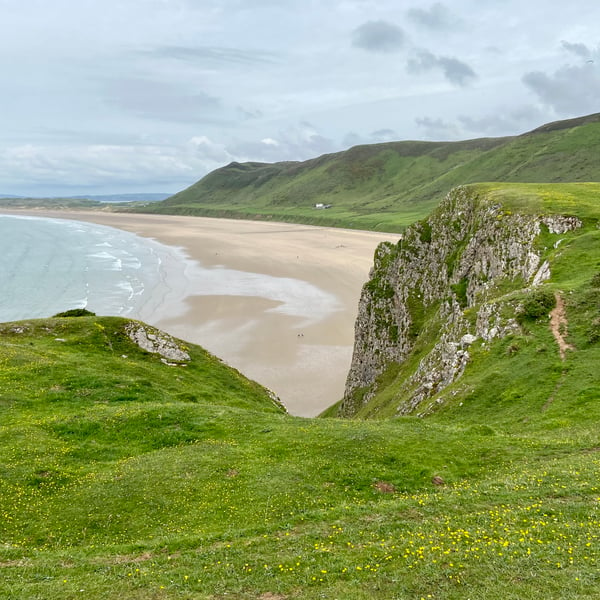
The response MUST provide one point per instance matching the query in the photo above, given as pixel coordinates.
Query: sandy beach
(300, 350)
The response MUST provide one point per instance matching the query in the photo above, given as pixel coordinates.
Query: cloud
(160, 100)
(383, 135)
(295, 143)
(205, 149)
(38, 169)
(503, 121)
(569, 90)
(378, 36)
(437, 17)
(578, 49)
(353, 139)
(437, 129)
(375, 137)
(79, 168)
(212, 54)
(455, 71)
(248, 114)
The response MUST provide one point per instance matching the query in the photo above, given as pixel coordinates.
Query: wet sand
(303, 358)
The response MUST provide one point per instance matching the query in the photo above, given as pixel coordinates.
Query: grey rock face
(157, 342)
(442, 267)
(561, 223)
(542, 274)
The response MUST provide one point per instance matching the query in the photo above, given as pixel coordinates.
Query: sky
(122, 96)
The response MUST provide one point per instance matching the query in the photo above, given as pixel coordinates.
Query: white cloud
(570, 90)
(298, 142)
(35, 168)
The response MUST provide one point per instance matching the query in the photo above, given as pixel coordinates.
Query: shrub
(593, 331)
(425, 235)
(460, 291)
(536, 305)
(76, 312)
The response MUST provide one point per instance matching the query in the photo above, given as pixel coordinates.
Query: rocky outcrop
(157, 342)
(435, 293)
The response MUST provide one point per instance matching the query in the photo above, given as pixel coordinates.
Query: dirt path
(558, 325)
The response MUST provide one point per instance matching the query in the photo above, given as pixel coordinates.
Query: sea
(52, 265)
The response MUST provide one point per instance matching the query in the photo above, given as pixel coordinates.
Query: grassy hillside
(388, 186)
(124, 477)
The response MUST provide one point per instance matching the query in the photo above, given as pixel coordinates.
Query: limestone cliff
(445, 286)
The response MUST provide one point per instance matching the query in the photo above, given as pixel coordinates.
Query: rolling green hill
(388, 186)
(137, 466)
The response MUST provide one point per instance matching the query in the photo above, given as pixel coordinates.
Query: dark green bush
(536, 305)
(76, 312)
(593, 331)
(460, 291)
(425, 235)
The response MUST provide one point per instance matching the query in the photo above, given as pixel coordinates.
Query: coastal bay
(276, 301)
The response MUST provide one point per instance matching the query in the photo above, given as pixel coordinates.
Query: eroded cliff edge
(455, 279)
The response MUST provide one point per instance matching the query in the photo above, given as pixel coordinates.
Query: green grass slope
(124, 477)
(388, 186)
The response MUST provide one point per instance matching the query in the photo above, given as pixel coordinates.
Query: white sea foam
(132, 262)
(126, 287)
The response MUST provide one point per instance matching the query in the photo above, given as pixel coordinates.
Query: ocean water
(52, 265)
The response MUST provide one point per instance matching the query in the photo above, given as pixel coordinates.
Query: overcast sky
(105, 96)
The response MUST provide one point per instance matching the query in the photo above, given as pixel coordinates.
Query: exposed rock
(157, 342)
(560, 223)
(421, 288)
(542, 274)
(18, 329)
(467, 339)
(490, 324)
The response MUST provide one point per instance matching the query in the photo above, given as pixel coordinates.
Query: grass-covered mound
(389, 186)
(122, 476)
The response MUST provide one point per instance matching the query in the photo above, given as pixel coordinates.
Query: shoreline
(302, 353)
